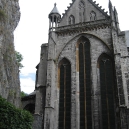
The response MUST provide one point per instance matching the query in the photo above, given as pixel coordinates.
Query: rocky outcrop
(9, 72)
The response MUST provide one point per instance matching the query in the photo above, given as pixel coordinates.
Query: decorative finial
(55, 4)
(110, 4)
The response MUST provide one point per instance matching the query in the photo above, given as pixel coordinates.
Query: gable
(83, 11)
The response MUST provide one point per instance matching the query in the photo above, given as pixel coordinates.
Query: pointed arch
(92, 16)
(107, 93)
(64, 74)
(85, 35)
(71, 20)
(84, 60)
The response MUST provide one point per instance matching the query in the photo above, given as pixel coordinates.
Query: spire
(110, 8)
(115, 10)
(116, 20)
(54, 10)
(112, 15)
(110, 5)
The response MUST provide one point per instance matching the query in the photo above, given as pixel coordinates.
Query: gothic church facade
(83, 75)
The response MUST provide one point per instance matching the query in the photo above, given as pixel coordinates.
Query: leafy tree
(12, 117)
(23, 94)
(19, 58)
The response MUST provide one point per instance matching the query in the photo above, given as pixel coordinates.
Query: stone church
(82, 80)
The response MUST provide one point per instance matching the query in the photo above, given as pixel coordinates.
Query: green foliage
(19, 58)
(14, 118)
(23, 94)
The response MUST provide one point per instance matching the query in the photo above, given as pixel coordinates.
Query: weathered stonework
(84, 23)
(9, 71)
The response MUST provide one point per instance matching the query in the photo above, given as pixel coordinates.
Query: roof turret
(54, 18)
(54, 10)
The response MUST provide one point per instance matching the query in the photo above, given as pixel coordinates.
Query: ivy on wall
(14, 118)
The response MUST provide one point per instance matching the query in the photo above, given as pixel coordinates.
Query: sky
(32, 32)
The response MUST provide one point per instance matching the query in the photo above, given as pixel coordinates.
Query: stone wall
(69, 51)
(88, 7)
(102, 40)
(9, 72)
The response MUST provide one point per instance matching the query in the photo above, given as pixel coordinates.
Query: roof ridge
(99, 7)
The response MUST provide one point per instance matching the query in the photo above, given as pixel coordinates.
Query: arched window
(92, 16)
(107, 92)
(65, 94)
(81, 11)
(71, 20)
(85, 83)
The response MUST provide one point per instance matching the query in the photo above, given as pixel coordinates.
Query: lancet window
(71, 20)
(65, 94)
(107, 92)
(85, 83)
(92, 16)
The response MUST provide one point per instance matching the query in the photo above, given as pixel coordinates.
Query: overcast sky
(32, 31)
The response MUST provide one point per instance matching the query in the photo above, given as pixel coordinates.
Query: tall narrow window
(107, 92)
(71, 20)
(65, 94)
(85, 84)
(92, 16)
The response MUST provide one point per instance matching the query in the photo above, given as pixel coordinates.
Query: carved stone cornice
(81, 27)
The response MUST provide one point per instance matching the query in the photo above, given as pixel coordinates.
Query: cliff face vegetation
(9, 72)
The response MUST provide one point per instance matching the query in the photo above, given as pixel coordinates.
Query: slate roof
(54, 10)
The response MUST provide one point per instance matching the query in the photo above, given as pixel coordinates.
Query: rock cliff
(9, 72)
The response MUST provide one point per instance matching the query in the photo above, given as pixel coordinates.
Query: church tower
(83, 79)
